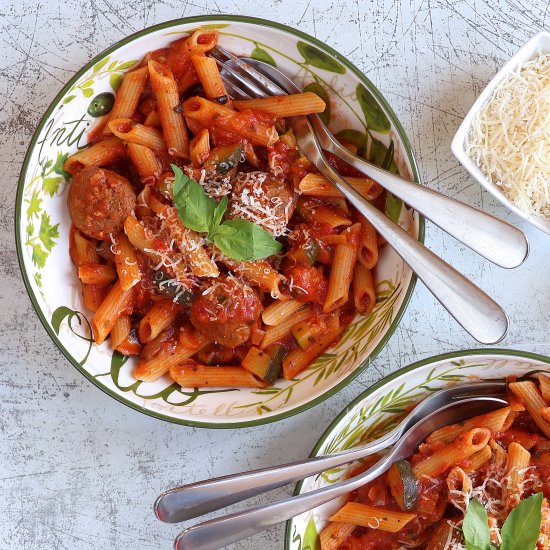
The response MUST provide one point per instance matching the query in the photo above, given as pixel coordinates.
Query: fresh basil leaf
(261, 55)
(317, 58)
(522, 527)
(249, 242)
(317, 89)
(217, 218)
(195, 208)
(375, 117)
(475, 527)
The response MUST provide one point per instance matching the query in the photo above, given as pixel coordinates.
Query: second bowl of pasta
(479, 470)
(181, 252)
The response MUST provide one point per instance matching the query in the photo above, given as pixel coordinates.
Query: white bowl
(43, 223)
(538, 45)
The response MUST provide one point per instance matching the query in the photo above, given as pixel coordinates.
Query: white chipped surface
(78, 469)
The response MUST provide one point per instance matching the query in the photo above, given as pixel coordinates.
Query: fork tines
(243, 81)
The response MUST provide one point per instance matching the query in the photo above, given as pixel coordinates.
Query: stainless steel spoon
(196, 499)
(494, 239)
(220, 532)
(474, 310)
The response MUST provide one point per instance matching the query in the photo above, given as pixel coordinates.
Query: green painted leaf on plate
(359, 139)
(378, 153)
(126, 65)
(39, 256)
(375, 117)
(317, 58)
(68, 99)
(51, 185)
(58, 166)
(88, 92)
(34, 205)
(311, 537)
(115, 81)
(61, 313)
(88, 83)
(262, 55)
(48, 232)
(100, 64)
(317, 89)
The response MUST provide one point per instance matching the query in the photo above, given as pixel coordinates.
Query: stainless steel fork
(474, 310)
(494, 239)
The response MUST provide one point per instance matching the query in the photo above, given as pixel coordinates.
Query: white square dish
(537, 45)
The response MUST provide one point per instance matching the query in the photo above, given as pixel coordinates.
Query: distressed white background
(78, 469)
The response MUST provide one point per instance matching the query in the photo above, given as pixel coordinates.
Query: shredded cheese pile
(510, 137)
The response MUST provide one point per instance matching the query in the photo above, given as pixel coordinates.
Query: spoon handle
(193, 500)
(219, 532)
(494, 239)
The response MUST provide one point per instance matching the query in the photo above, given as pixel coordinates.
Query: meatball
(226, 311)
(99, 201)
(262, 199)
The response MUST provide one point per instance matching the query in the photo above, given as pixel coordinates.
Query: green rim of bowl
(393, 376)
(53, 105)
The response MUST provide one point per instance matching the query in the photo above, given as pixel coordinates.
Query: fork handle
(497, 241)
(479, 314)
(193, 500)
(219, 532)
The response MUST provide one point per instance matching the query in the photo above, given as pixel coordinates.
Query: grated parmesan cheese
(510, 137)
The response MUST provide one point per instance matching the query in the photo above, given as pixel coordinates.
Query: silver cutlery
(472, 308)
(196, 499)
(220, 532)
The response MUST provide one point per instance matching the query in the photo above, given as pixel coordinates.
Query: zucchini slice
(171, 289)
(265, 364)
(226, 157)
(403, 485)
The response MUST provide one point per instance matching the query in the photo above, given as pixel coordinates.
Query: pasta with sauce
(163, 290)
(499, 459)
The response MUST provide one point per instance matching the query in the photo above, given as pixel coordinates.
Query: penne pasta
(278, 311)
(169, 357)
(464, 446)
(341, 273)
(97, 274)
(199, 148)
(368, 250)
(173, 125)
(213, 115)
(209, 75)
(120, 331)
(116, 303)
(148, 166)
(161, 315)
(126, 262)
(364, 293)
(335, 534)
(316, 185)
(128, 94)
(201, 376)
(101, 153)
(282, 329)
(299, 359)
(132, 132)
(372, 517)
(306, 103)
(494, 420)
(534, 403)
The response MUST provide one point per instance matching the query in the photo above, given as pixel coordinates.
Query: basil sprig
(241, 240)
(519, 532)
